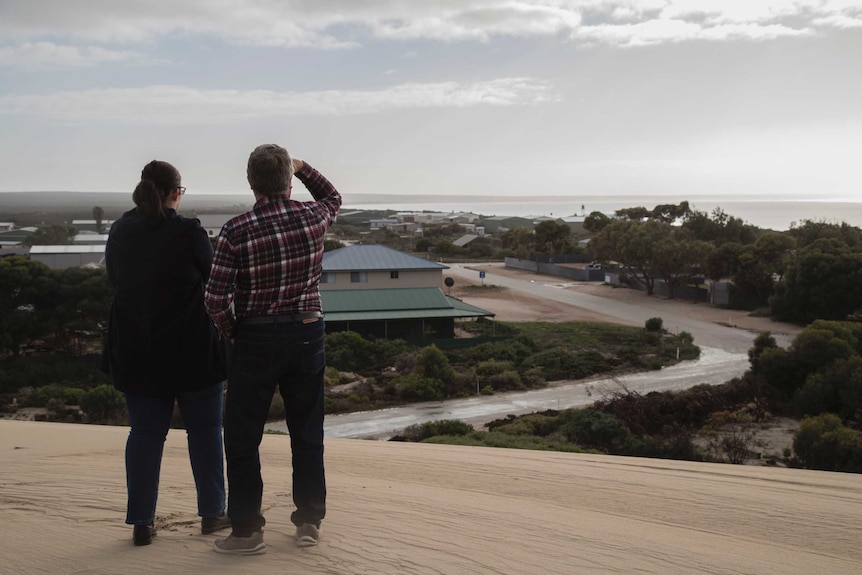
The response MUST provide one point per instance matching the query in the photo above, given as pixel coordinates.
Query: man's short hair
(270, 170)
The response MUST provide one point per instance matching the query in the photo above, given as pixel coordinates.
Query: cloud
(50, 55)
(670, 31)
(185, 105)
(340, 24)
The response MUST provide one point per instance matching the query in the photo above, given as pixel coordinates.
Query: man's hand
(297, 164)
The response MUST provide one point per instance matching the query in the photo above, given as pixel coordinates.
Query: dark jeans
(150, 419)
(292, 357)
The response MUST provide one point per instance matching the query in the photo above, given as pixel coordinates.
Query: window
(393, 275)
(327, 278)
(358, 277)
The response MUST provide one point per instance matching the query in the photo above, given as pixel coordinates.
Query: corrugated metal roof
(68, 249)
(400, 303)
(374, 257)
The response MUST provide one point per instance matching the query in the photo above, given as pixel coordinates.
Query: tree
(669, 213)
(98, 214)
(632, 245)
(723, 261)
(719, 228)
(774, 250)
(54, 235)
(823, 442)
(520, 240)
(808, 231)
(678, 256)
(596, 222)
(552, 236)
(27, 295)
(822, 282)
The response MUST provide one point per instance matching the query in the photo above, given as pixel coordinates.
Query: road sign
(482, 275)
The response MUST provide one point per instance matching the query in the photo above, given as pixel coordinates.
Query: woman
(162, 347)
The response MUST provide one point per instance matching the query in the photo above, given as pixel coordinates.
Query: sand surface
(426, 509)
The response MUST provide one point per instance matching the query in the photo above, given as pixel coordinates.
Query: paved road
(723, 357)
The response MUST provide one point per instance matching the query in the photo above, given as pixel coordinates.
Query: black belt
(303, 317)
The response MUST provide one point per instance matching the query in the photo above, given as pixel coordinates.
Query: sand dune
(428, 509)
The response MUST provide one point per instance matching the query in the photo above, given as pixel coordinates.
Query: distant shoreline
(777, 213)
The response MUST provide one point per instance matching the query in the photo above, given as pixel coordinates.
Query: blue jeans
(150, 419)
(292, 357)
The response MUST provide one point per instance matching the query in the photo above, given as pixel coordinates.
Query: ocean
(768, 213)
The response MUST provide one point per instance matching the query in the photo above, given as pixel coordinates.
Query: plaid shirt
(268, 261)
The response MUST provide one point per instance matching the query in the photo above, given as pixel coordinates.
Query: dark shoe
(213, 524)
(251, 545)
(143, 534)
(307, 535)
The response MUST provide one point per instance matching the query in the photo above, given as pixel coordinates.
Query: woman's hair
(158, 180)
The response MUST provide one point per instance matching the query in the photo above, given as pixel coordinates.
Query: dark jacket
(160, 339)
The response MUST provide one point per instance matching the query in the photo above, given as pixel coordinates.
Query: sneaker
(143, 534)
(307, 535)
(251, 545)
(213, 524)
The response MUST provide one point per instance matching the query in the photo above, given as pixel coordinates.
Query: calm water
(776, 214)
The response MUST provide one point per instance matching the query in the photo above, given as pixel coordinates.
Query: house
(92, 225)
(59, 257)
(89, 238)
(213, 223)
(15, 237)
(371, 266)
(500, 224)
(380, 292)
(576, 224)
(464, 240)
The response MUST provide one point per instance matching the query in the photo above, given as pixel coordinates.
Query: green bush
(40, 397)
(47, 368)
(541, 424)
(654, 324)
(555, 363)
(448, 427)
(823, 442)
(103, 404)
(415, 387)
(595, 429)
(533, 378)
(506, 380)
(487, 368)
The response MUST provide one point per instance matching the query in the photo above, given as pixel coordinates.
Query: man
(267, 266)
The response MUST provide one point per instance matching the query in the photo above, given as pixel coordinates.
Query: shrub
(506, 380)
(420, 388)
(348, 351)
(533, 378)
(555, 363)
(541, 424)
(103, 403)
(591, 428)
(431, 363)
(487, 368)
(423, 431)
(654, 324)
(822, 442)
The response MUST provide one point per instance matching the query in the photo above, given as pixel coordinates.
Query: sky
(757, 98)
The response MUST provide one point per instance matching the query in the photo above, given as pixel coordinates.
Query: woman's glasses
(182, 190)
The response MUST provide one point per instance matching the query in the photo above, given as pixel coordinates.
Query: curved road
(723, 357)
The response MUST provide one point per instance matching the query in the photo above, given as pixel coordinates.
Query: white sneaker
(307, 535)
(251, 545)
